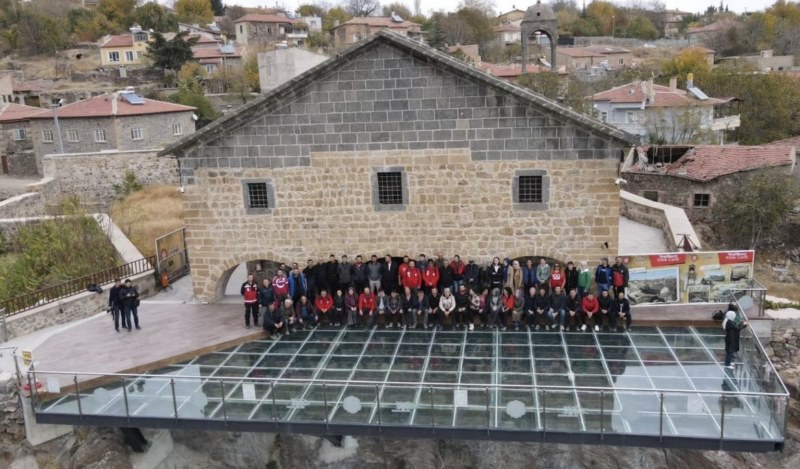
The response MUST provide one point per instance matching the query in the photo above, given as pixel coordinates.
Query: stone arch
(539, 19)
(213, 287)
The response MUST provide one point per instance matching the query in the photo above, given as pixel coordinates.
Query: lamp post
(613, 25)
(54, 105)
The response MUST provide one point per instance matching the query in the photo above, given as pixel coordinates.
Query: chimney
(114, 98)
(690, 81)
(673, 83)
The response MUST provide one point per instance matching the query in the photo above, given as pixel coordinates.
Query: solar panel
(396, 18)
(132, 98)
(698, 93)
(227, 49)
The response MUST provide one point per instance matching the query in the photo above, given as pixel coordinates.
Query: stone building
(358, 29)
(697, 178)
(268, 29)
(577, 58)
(613, 56)
(281, 65)
(116, 121)
(396, 147)
(16, 145)
(125, 49)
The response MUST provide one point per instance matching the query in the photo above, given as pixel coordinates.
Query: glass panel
(690, 416)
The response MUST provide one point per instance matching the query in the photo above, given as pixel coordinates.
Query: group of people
(123, 303)
(438, 292)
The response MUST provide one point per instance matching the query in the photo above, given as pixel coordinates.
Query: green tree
(194, 11)
(172, 54)
(642, 28)
(191, 93)
(602, 14)
(689, 60)
(118, 12)
(153, 16)
(308, 9)
(129, 184)
(585, 27)
(334, 14)
(756, 210)
(437, 37)
(218, 7)
(41, 34)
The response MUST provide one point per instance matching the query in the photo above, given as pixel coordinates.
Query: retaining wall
(672, 221)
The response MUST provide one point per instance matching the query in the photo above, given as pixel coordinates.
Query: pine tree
(218, 7)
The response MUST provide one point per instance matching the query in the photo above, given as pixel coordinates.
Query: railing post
(661, 419)
(31, 387)
(125, 397)
(324, 405)
(274, 403)
(78, 395)
(433, 417)
(174, 399)
(544, 412)
(378, 407)
(602, 414)
(488, 411)
(722, 423)
(222, 393)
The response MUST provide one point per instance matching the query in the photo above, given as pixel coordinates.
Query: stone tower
(539, 19)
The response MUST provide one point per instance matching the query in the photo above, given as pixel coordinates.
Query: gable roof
(577, 52)
(635, 92)
(380, 22)
(104, 106)
(413, 48)
(256, 18)
(604, 50)
(704, 163)
(791, 141)
(118, 40)
(11, 112)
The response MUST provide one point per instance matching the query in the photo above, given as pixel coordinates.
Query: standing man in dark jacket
(345, 273)
(446, 276)
(115, 304)
(332, 273)
(266, 296)
(374, 274)
(311, 281)
(359, 273)
(571, 277)
(472, 275)
(620, 309)
(732, 331)
(619, 277)
(130, 303)
(602, 275)
(529, 277)
(250, 293)
(320, 279)
(297, 285)
(389, 278)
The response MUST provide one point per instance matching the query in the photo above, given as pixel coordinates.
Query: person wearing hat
(130, 304)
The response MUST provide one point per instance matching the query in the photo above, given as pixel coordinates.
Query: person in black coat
(332, 273)
(732, 330)
(390, 275)
(571, 278)
(620, 308)
(129, 296)
(115, 304)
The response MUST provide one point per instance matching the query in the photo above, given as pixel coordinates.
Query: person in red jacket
(590, 307)
(508, 307)
(458, 267)
(280, 286)
(557, 277)
(324, 305)
(250, 293)
(411, 278)
(401, 271)
(366, 307)
(430, 277)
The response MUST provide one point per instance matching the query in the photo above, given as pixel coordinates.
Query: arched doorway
(539, 19)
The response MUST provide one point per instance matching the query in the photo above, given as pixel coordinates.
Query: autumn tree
(642, 28)
(359, 8)
(153, 16)
(602, 14)
(334, 14)
(194, 11)
(689, 60)
(398, 8)
(118, 12)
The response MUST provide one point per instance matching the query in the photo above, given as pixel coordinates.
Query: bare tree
(360, 8)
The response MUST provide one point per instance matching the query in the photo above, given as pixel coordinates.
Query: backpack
(718, 315)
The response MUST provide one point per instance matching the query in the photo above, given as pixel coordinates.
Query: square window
(176, 129)
(129, 56)
(99, 135)
(650, 195)
(390, 188)
(530, 189)
(136, 133)
(72, 135)
(113, 56)
(604, 116)
(257, 195)
(47, 136)
(20, 134)
(702, 200)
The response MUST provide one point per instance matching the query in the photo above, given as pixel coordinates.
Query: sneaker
(503, 328)
(471, 327)
(730, 367)
(116, 329)
(516, 328)
(138, 328)
(247, 326)
(536, 327)
(583, 327)
(548, 328)
(562, 328)
(627, 329)
(597, 328)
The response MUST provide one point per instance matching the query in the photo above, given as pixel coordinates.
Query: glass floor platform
(652, 386)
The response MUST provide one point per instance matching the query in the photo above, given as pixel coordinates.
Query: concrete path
(637, 238)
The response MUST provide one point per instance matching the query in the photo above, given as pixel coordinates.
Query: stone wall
(672, 221)
(456, 205)
(30, 204)
(19, 154)
(73, 308)
(784, 347)
(91, 176)
(12, 423)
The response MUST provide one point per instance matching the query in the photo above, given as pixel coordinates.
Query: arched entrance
(539, 19)
(231, 280)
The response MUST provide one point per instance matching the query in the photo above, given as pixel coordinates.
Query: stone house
(613, 56)
(697, 178)
(16, 144)
(115, 121)
(220, 57)
(281, 65)
(125, 49)
(672, 21)
(514, 16)
(359, 29)
(666, 114)
(396, 147)
(269, 29)
(577, 58)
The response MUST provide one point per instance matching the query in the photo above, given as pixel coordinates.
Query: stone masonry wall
(30, 204)
(672, 221)
(456, 205)
(72, 308)
(91, 176)
(19, 153)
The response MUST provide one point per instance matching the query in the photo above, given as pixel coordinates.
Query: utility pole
(54, 106)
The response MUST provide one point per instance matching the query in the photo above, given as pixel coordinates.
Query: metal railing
(171, 397)
(52, 294)
(757, 292)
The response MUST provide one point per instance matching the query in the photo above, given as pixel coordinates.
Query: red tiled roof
(577, 52)
(12, 112)
(119, 40)
(202, 39)
(22, 87)
(706, 162)
(506, 28)
(378, 22)
(256, 18)
(791, 141)
(200, 53)
(102, 106)
(634, 92)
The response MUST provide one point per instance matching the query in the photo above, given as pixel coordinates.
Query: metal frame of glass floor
(653, 386)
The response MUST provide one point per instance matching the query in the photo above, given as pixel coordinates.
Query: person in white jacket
(447, 305)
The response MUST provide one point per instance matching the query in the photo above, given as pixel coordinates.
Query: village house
(221, 57)
(666, 114)
(699, 177)
(125, 49)
(269, 29)
(114, 121)
(613, 56)
(514, 17)
(577, 58)
(16, 144)
(358, 29)
(672, 21)
(409, 134)
(508, 33)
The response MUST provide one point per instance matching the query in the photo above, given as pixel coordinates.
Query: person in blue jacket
(297, 285)
(602, 275)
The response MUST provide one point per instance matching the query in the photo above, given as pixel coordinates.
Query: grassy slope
(149, 213)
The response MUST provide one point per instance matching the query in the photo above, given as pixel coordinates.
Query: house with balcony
(359, 29)
(270, 29)
(125, 49)
(666, 114)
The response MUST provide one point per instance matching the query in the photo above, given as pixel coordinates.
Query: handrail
(413, 384)
(48, 295)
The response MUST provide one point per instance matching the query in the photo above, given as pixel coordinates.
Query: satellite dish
(195, 117)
